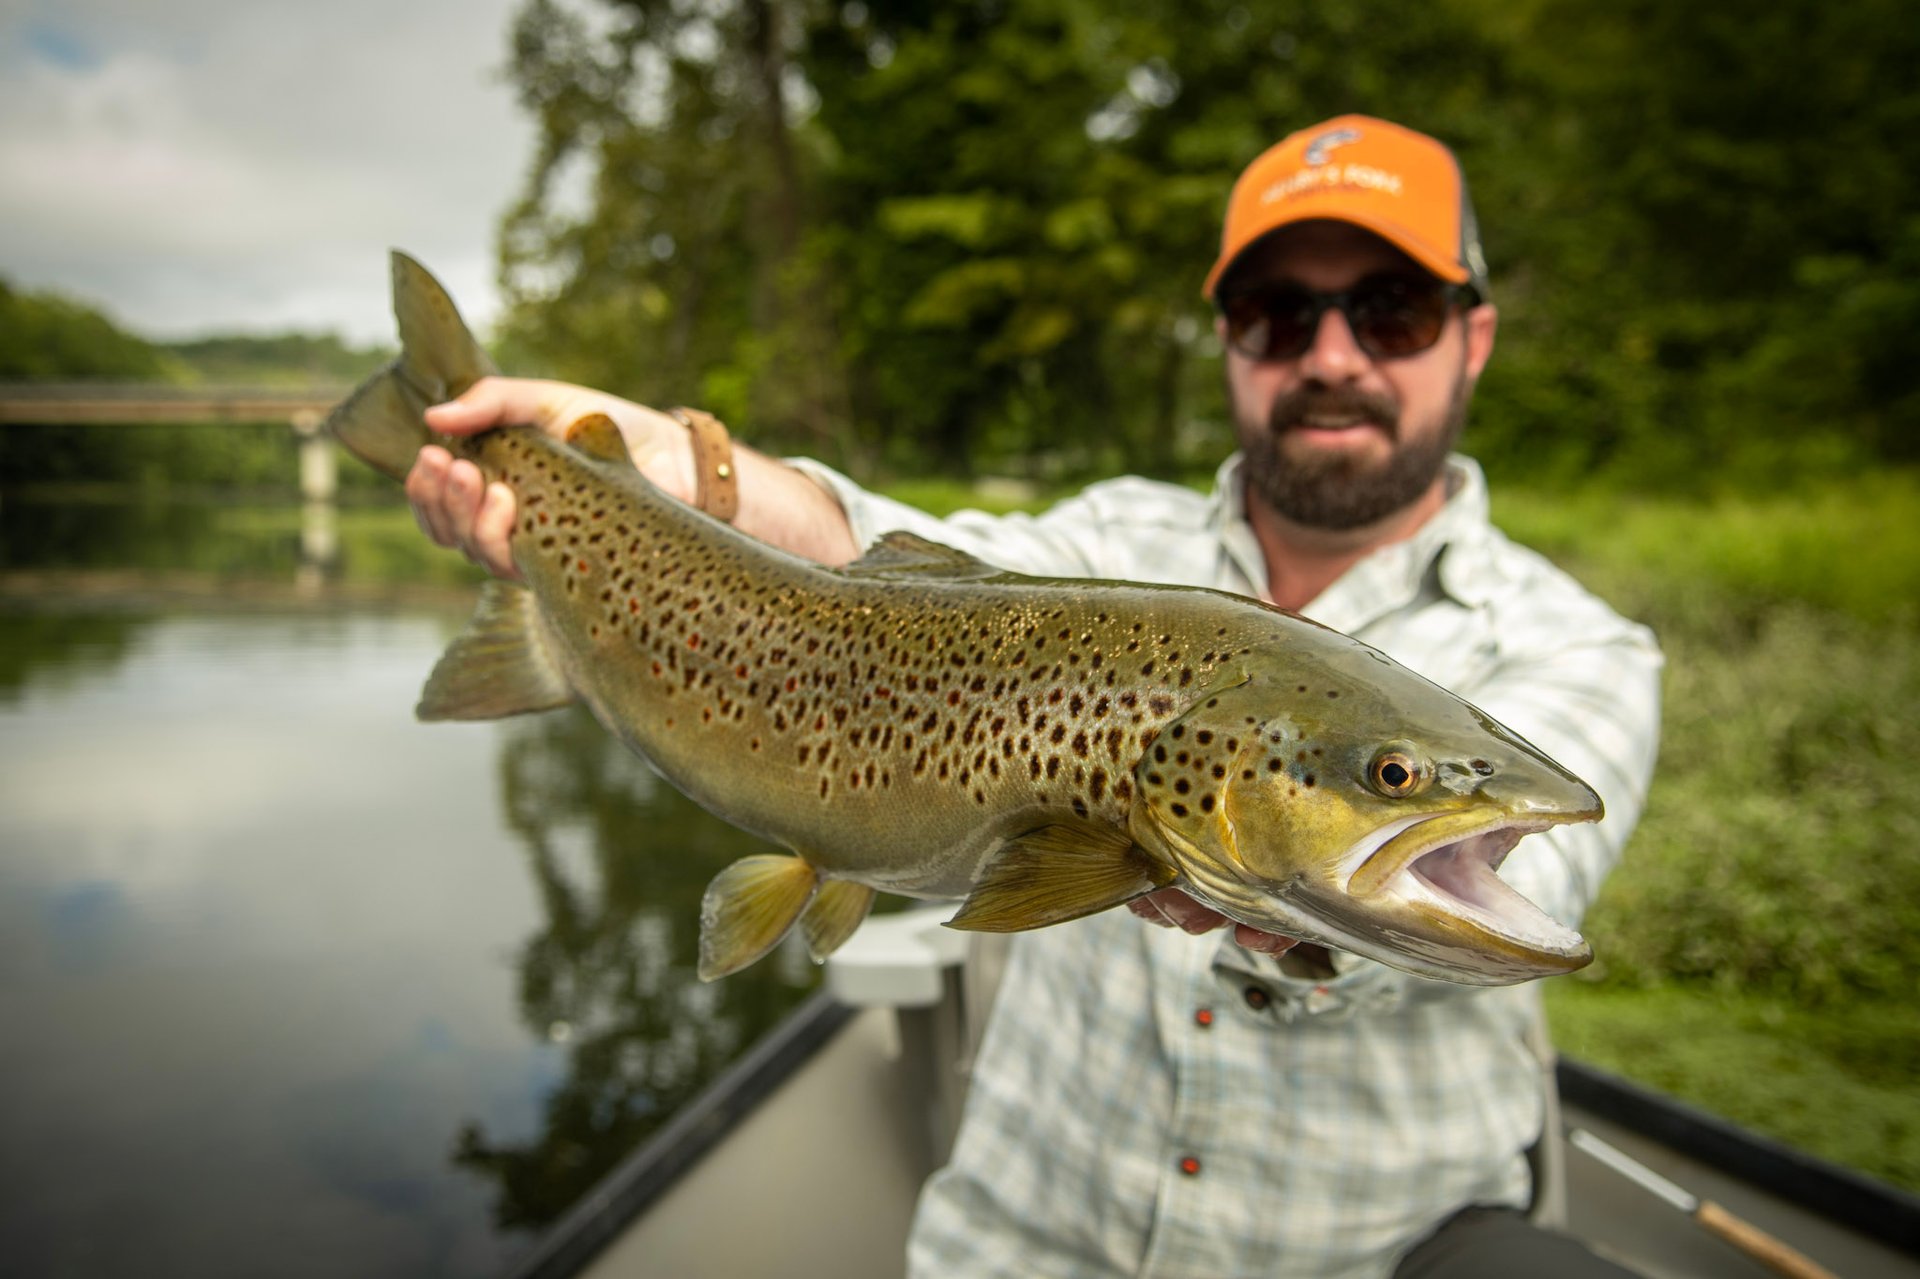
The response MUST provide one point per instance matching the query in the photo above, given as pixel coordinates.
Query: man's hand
(455, 508)
(1171, 908)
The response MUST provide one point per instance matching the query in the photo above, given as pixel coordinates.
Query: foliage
(45, 337)
(1835, 1080)
(282, 359)
(1767, 901)
(939, 237)
(1775, 853)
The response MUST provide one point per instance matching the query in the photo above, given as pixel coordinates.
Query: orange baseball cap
(1403, 186)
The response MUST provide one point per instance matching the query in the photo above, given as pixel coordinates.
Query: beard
(1338, 491)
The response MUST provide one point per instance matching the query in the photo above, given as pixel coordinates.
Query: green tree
(684, 277)
(45, 337)
(1719, 265)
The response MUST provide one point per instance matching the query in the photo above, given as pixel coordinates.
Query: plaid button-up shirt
(1151, 1104)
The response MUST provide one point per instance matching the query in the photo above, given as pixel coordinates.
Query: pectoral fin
(1057, 873)
(748, 908)
(500, 665)
(833, 915)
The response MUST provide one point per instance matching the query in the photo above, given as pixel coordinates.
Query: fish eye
(1396, 774)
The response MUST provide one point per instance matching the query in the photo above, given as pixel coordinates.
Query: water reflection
(296, 985)
(619, 860)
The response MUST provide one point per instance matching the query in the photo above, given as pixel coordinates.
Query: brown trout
(924, 723)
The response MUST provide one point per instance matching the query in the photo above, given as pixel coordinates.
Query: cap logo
(1318, 148)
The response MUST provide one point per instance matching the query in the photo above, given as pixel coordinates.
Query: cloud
(209, 164)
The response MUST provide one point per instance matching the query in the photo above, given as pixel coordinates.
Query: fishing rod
(1710, 1216)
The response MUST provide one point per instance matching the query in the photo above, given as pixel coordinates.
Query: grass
(1756, 946)
(1833, 1079)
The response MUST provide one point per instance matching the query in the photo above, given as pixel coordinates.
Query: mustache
(1293, 408)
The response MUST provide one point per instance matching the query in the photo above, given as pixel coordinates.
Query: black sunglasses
(1392, 315)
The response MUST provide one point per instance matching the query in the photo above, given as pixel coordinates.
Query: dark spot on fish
(1178, 810)
(1204, 736)
(1307, 781)
(1206, 803)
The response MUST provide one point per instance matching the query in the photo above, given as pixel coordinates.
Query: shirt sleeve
(1064, 541)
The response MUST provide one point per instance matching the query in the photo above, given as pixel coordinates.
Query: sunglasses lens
(1271, 324)
(1393, 316)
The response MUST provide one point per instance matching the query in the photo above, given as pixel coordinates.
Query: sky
(202, 166)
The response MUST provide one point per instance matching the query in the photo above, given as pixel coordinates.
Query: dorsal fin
(908, 556)
(596, 435)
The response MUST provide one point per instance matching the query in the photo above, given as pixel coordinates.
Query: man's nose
(1335, 355)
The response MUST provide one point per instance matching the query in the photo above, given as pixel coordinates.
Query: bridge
(147, 404)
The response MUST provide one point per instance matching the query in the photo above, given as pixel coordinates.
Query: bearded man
(1157, 1094)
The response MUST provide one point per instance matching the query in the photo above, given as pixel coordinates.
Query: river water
(292, 984)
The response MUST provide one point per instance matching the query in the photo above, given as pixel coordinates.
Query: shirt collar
(1386, 579)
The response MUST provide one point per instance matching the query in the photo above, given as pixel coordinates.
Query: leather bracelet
(716, 486)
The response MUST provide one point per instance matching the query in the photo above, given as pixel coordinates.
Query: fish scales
(926, 723)
(968, 711)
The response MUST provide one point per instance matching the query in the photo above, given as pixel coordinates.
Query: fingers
(492, 531)
(456, 508)
(426, 486)
(1265, 943)
(461, 499)
(492, 401)
(1171, 908)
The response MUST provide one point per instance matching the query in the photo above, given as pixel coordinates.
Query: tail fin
(380, 422)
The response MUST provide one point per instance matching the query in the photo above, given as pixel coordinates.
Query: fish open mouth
(1446, 866)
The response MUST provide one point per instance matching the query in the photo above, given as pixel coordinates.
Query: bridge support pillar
(319, 464)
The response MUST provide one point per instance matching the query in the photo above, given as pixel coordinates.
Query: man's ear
(1480, 322)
